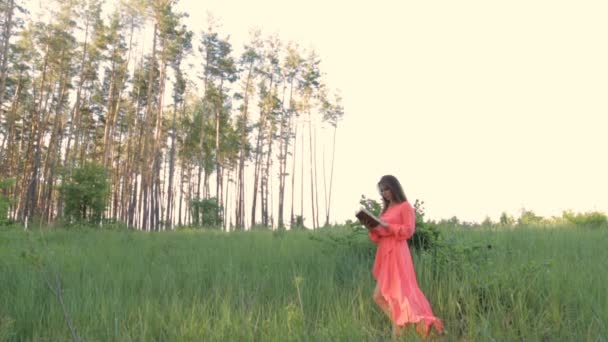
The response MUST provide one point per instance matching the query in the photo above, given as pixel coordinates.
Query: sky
(477, 107)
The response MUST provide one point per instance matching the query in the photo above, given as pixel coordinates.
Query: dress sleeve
(405, 229)
(374, 236)
(378, 233)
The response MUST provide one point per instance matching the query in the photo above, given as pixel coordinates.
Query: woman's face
(385, 192)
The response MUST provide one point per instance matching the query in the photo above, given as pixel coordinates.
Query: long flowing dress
(394, 269)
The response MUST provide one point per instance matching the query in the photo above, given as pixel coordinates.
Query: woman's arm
(374, 235)
(404, 229)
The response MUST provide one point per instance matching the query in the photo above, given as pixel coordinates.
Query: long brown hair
(392, 183)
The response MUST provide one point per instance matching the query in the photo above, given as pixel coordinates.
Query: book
(366, 216)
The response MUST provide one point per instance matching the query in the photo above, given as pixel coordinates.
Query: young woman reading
(397, 292)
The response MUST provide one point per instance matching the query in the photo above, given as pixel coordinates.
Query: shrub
(298, 223)
(4, 204)
(427, 235)
(372, 205)
(506, 220)
(588, 219)
(529, 218)
(206, 213)
(85, 194)
(4, 201)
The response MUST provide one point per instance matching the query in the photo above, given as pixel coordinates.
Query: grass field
(524, 284)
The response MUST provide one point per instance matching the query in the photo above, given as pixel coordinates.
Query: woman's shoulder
(406, 204)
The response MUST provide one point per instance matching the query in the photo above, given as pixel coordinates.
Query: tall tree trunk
(157, 152)
(224, 210)
(180, 212)
(311, 169)
(115, 206)
(302, 177)
(293, 174)
(284, 134)
(6, 36)
(170, 192)
(206, 191)
(12, 151)
(265, 183)
(53, 150)
(74, 118)
(134, 164)
(108, 136)
(218, 161)
(331, 175)
(316, 178)
(149, 158)
(240, 206)
(30, 197)
(257, 167)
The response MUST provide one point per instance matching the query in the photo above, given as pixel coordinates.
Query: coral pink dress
(394, 270)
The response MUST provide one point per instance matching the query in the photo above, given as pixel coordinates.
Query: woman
(397, 292)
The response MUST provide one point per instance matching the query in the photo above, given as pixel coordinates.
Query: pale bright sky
(478, 107)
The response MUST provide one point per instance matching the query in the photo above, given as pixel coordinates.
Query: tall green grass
(524, 284)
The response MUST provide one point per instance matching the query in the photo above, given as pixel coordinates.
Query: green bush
(299, 222)
(372, 205)
(529, 218)
(4, 204)
(5, 201)
(506, 220)
(588, 219)
(85, 194)
(427, 234)
(206, 213)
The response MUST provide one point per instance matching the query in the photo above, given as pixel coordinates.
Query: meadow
(520, 284)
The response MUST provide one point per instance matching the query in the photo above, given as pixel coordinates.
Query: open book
(366, 216)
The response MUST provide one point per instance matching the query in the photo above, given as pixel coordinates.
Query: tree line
(185, 123)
